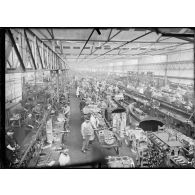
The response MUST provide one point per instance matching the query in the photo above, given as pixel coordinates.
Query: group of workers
(87, 94)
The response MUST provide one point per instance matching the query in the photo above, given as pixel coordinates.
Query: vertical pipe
(57, 76)
(35, 57)
(138, 73)
(35, 51)
(58, 86)
(42, 55)
(47, 58)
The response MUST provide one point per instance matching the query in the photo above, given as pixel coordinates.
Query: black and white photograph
(99, 97)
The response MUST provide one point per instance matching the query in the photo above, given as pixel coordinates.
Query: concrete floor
(74, 139)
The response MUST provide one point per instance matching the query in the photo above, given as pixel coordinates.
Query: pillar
(165, 76)
(57, 79)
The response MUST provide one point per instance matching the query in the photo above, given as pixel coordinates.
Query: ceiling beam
(107, 41)
(148, 51)
(165, 48)
(185, 37)
(113, 41)
(42, 34)
(177, 35)
(86, 42)
(109, 34)
(50, 33)
(30, 50)
(9, 63)
(98, 31)
(167, 52)
(16, 49)
(33, 34)
(150, 46)
(125, 43)
(39, 54)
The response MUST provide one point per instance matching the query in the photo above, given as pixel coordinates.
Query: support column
(62, 78)
(58, 99)
(137, 74)
(35, 58)
(35, 77)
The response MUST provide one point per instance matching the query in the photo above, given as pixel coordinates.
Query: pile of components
(106, 137)
(120, 162)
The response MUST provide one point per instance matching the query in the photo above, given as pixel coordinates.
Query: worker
(11, 148)
(64, 158)
(77, 92)
(82, 104)
(129, 110)
(29, 123)
(86, 131)
(103, 106)
(93, 122)
(93, 97)
(66, 111)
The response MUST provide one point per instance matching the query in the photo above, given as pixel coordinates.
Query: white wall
(181, 69)
(158, 64)
(182, 56)
(13, 87)
(152, 59)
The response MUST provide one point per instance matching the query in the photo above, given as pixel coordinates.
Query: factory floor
(74, 142)
(74, 139)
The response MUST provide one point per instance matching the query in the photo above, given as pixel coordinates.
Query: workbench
(115, 145)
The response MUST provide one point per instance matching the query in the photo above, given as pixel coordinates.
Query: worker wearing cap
(86, 131)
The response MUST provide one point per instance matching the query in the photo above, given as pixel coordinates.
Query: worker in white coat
(66, 111)
(86, 131)
(77, 92)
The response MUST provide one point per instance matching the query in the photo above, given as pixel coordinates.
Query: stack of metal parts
(120, 162)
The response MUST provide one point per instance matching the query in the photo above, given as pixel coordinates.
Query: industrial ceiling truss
(25, 51)
(81, 45)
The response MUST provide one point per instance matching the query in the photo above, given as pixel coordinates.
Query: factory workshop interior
(99, 98)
